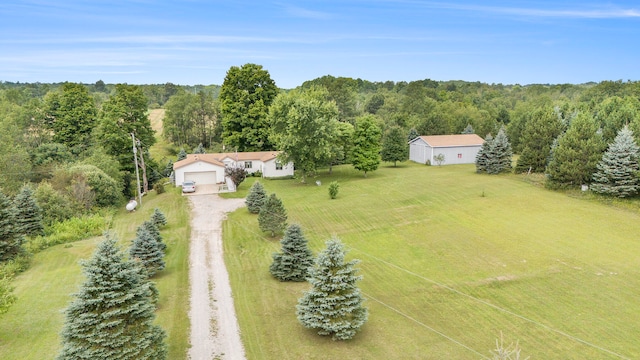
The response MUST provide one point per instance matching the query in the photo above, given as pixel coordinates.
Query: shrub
(74, 229)
(333, 189)
(158, 187)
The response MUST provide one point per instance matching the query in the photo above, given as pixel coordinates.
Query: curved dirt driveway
(214, 328)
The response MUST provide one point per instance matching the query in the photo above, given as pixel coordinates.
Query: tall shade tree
(618, 169)
(576, 157)
(10, 239)
(28, 215)
(256, 197)
(613, 113)
(394, 146)
(191, 119)
(72, 115)
(293, 263)
(334, 304)
(245, 97)
(366, 144)
(123, 114)
(342, 146)
(273, 216)
(304, 127)
(112, 314)
(539, 132)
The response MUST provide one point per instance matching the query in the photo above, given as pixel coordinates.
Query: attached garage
(202, 178)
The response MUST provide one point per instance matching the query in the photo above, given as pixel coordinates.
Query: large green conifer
(112, 315)
(158, 218)
(482, 157)
(333, 305)
(499, 154)
(256, 197)
(293, 263)
(146, 249)
(10, 239)
(618, 169)
(28, 216)
(273, 215)
(539, 132)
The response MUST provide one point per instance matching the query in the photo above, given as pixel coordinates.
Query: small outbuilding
(457, 149)
(209, 169)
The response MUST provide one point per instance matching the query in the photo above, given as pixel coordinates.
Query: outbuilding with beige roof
(457, 149)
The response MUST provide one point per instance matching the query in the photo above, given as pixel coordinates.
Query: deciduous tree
(72, 115)
(112, 314)
(293, 263)
(304, 127)
(366, 144)
(394, 146)
(334, 304)
(245, 97)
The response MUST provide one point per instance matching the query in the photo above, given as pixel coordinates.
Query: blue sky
(195, 42)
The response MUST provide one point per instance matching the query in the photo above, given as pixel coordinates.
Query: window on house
(278, 165)
(459, 156)
(248, 165)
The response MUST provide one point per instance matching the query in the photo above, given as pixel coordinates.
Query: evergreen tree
(366, 144)
(182, 154)
(273, 215)
(394, 146)
(468, 130)
(576, 157)
(10, 239)
(538, 135)
(199, 149)
(293, 263)
(158, 218)
(333, 305)
(28, 215)
(499, 155)
(168, 169)
(148, 251)
(413, 133)
(153, 229)
(256, 197)
(112, 315)
(618, 169)
(482, 157)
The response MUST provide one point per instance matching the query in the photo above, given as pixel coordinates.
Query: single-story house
(207, 169)
(457, 149)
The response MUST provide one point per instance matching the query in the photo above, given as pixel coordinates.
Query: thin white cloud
(592, 12)
(156, 39)
(300, 12)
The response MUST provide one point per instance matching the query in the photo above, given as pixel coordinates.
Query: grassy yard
(30, 330)
(450, 260)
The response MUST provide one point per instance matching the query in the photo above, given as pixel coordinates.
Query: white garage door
(201, 178)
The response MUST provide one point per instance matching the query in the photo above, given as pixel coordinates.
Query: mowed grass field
(450, 259)
(31, 329)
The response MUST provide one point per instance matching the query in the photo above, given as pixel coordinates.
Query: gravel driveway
(214, 328)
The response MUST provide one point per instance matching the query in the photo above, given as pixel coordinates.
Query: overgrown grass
(450, 259)
(30, 330)
(71, 230)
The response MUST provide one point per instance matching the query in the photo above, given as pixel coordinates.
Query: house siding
(199, 166)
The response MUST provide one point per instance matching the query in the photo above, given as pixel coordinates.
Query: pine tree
(413, 133)
(10, 239)
(617, 170)
(499, 155)
(293, 263)
(576, 157)
(153, 229)
(111, 317)
(182, 154)
(538, 135)
(333, 305)
(468, 130)
(394, 146)
(199, 149)
(482, 158)
(256, 197)
(148, 251)
(28, 216)
(273, 215)
(158, 218)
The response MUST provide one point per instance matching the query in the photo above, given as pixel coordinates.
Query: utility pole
(135, 159)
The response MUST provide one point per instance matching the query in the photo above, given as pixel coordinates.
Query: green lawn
(30, 330)
(450, 259)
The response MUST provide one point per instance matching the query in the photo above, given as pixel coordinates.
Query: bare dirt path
(214, 328)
